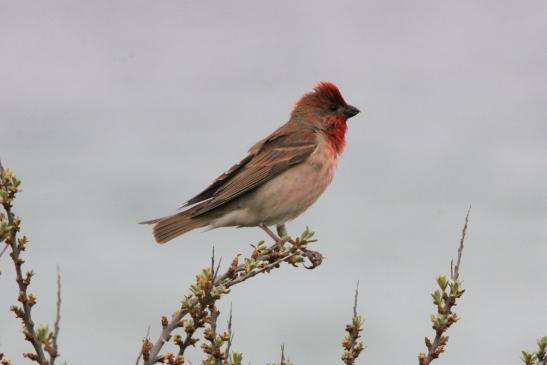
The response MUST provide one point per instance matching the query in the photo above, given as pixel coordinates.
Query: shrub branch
(445, 299)
(198, 308)
(351, 344)
(42, 340)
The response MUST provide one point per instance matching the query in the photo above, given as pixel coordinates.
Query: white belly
(286, 196)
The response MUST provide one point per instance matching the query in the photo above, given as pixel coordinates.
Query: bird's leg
(282, 230)
(270, 233)
(278, 241)
(315, 257)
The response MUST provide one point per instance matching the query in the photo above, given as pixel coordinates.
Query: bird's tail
(167, 228)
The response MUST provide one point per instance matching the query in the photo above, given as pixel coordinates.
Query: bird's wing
(219, 181)
(209, 191)
(271, 157)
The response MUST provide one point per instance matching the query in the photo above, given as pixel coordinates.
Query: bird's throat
(337, 135)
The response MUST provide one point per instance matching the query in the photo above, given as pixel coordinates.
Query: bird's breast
(289, 194)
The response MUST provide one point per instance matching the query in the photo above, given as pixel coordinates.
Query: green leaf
(43, 333)
(442, 281)
(436, 297)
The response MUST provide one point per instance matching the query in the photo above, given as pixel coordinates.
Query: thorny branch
(1, 253)
(210, 286)
(230, 334)
(4, 250)
(455, 270)
(445, 300)
(146, 337)
(282, 354)
(351, 344)
(9, 186)
(51, 344)
(40, 338)
(283, 361)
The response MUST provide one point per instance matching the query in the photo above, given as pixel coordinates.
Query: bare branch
(143, 345)
(4, 250)
(52, 348)
(351, 344)
(230, 334)
(455, 270)
(355, 299)
(445, 299)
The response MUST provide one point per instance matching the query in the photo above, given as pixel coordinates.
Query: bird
(281, 176)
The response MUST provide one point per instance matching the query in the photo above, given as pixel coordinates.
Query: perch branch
(263, 259)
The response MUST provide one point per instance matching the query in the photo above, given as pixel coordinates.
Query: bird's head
(325, 109)
(325, 102)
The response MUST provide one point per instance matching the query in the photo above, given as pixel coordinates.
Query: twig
(230, 334)
(215, 350)
(142, 347)
(6, 244)
(4, 250)
(52, 347)
(316, 258)
(264, 259)
(355, 299)
(353, 347)
(1, 253)
(455, 270)
(260, 271)
(9, 187)
(210, 333)
(445, 300)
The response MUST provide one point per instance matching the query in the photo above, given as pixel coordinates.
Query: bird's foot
(269, 232)
(282, 231)
(315, 258)
(279, 240)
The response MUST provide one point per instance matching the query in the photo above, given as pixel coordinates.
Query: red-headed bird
(282, 175)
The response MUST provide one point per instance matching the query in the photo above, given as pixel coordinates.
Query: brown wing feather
(209, 191)
(273, 157)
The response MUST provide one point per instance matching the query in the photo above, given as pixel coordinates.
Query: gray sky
(117, 111)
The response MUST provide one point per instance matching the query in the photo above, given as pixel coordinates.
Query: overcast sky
(112, 112)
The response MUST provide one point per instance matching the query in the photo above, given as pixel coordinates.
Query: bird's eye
(333, 108)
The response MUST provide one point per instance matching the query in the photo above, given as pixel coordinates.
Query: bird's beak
(350, 111)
